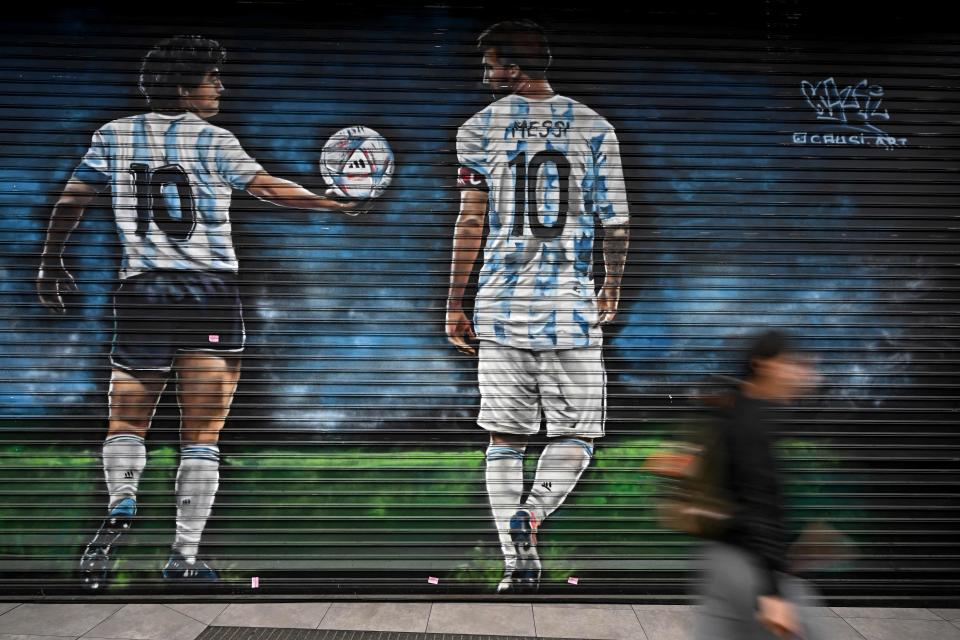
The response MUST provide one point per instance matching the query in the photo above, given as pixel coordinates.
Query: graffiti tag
(854, 103)
(858, 107)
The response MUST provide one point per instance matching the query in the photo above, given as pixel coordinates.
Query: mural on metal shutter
(402, 303)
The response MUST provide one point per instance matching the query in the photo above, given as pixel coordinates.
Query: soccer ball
(357, 163)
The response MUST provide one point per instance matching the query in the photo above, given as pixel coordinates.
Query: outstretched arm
(290, 194)
(54, 280)
(467, 239)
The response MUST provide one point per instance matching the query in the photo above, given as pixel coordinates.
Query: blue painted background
(726, 239)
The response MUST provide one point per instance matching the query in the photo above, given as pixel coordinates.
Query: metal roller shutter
(787, 164)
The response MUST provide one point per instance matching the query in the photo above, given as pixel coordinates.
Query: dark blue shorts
(160, 313)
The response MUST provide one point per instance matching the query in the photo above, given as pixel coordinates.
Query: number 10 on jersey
(149, 187)
(526, 197)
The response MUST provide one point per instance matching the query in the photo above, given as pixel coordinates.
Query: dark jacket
(752, 485)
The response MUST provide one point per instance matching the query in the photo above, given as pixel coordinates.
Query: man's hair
(180, 61)
(768, 344)
(519, 42)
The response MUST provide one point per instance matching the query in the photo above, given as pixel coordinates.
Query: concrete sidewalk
(41, 621)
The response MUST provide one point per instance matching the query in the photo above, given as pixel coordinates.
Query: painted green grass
(284, 507)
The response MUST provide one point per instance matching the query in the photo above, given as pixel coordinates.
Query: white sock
(558, 470)
(504, 488)
(197, 482)
(124, 457)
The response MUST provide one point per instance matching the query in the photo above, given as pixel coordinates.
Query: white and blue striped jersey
(171, 178)
(549, 166)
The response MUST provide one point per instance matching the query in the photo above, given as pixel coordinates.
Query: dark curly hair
(519, 42)
(181, 61)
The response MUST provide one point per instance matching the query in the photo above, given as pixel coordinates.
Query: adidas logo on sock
(185, 501)
(547, 485)
(128, 474)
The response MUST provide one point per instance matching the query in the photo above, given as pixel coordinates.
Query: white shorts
(568, 385)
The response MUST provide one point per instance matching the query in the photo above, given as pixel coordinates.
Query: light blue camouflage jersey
(549, 166)
(171, 179)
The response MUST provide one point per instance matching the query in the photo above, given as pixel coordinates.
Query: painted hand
(607, 305)
(350, 207)
(460, 330)
(53, 282)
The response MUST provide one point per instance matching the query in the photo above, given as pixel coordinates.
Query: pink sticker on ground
(213, 337)
(433, 580)
(255, 582)
(573, 580)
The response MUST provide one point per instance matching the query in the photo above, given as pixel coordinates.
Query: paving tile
(147, 622)
(282, 615)
(661, 624)
(890, 629)
(669, 608)
(7, 606)
(205, 613)
(378, 616)
(70, 620)
(668, 625)
(896, 613)
(594, 605)
(6, 636)
(554, 621)
(947, 614)
(832, 629)
(482, 619)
